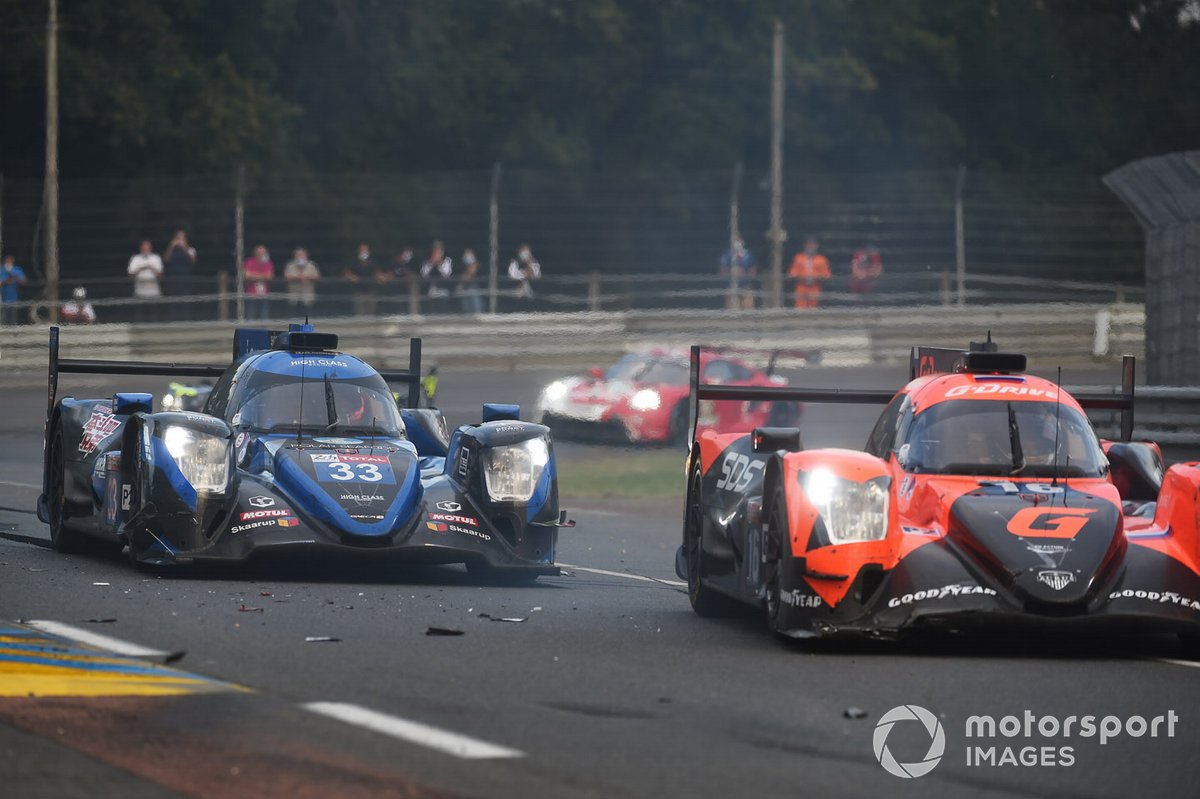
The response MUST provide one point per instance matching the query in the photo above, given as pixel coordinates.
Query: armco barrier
(1050, 334)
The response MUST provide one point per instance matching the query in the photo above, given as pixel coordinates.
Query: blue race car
(299, 447)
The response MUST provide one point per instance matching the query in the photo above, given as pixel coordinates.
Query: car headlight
(203, 459)
(169, 402)
(851, 511)
(555, 391)
(512, 472)
(645, 400)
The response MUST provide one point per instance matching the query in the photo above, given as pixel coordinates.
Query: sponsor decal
(443, 527)
(373, 517)
(508, 428)
(363, 458)
(99, 426)
(446, 517)
(800, 600)
(907, 485)
(1047, 522)
(267, 513)
(448, 506)
(125, 496)
(361, 499)
(323, 457)
(343, 470)
(262, 502)
(339, 442)
(907, 530)
(464, 462)
(287, 522)
(319, 362)
(1161, 597)
(347, 451)
(939, 593)
(738, 471)
(241, 528)
(987, 389)
(1058, 580)
(1047, 549)
(241, 439)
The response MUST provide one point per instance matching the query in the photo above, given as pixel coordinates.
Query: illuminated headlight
(851, 511)
(203, 459)
(645, 400)
(555, 391)
(512, 473)
(169, 402)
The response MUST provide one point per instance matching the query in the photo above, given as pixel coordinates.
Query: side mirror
(596, 372)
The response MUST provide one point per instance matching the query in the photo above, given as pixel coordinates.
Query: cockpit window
(1003, 439)
(656, 371)
(273, 403)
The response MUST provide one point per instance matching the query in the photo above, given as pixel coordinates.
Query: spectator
(12, 277)
(866, 265)
(524, 269)
(364, 277)
(301, 275)
(146, 269)
(405, 265)
(468, 284)
(810, 270)
(745, 272)
(77, 310)
(179, 260)
(257, 272)
(437, 267)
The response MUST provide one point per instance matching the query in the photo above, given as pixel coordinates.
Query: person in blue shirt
(11, 278)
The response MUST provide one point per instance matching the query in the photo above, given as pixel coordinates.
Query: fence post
(960, 244)
(493, 237)
(239, 238)
(777, 234)
(222, 296)
(734, 190)
(414, 295)
(594, 292)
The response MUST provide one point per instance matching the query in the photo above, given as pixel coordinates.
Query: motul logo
(264, 514)
(1047, 522)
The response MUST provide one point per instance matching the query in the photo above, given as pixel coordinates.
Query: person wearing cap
(468, 284)
(77, 310)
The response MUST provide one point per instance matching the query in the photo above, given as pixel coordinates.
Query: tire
(775, 553)
(783, 414)
(1190, 644)
(705, 601)
(487, 574)
(62, 537)
(678, 430)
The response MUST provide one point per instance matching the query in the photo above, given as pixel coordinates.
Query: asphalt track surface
(609, 687)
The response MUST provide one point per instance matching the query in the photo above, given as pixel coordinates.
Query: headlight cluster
(851, 511)
(512, 472)
(645, 400)
(555, 391)
(203, 459)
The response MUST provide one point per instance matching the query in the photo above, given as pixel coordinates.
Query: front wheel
(62, 537)
(776, 555)
(705, 601)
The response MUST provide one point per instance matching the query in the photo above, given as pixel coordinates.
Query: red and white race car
(643, 398)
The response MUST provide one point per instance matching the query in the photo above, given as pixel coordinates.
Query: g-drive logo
(1045, 741)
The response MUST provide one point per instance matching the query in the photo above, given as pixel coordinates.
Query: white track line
(626, 575)
(94, 639)
(414, 732)
(19, 485)
(1177, 662)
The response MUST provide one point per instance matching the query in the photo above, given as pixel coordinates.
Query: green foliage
(188, 86)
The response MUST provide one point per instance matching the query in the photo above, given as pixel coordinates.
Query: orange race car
(983, 496)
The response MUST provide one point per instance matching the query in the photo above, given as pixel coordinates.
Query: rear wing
(1122, 401)
(86, 366)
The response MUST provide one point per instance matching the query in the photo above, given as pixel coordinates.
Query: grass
(625, 474)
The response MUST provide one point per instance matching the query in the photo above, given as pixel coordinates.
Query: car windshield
(640, 369)
(998, 438)
(273, 403)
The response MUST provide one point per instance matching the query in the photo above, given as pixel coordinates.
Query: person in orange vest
(809, 269)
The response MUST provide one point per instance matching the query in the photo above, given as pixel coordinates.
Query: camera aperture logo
(1025, 740)
(937, 741)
